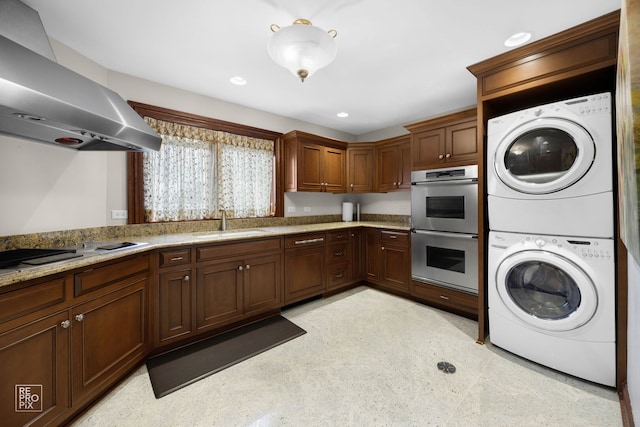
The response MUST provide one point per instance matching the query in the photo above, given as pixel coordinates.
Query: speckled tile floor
(369, 359)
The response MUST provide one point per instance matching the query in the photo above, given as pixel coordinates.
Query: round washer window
(546, 290)
(543, 290)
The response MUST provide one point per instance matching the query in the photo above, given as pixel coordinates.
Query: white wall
(48, 188)
(398, 203)
(633, 336)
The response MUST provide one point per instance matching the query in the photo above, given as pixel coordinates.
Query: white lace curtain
(199, 172)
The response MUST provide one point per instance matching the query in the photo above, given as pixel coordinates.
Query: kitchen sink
(229, 234)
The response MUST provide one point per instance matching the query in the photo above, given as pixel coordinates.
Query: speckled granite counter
(149, 242)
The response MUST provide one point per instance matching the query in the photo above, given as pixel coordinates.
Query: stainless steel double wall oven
(444, 216)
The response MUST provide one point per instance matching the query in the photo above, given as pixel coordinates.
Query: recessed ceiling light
(517, 39)
(343, 115)
(237, 80)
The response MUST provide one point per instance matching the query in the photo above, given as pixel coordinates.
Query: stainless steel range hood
(43, 101)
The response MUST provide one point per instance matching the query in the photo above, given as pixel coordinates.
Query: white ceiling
(398, 61)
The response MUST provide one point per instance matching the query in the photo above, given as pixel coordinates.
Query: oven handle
(448, 181)
(444, 234)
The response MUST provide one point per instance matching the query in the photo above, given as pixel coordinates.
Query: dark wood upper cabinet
(449, 140)
(314, 163)
(361, 168)
(393, 164)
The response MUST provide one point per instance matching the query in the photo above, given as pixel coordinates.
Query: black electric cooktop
(35, 256)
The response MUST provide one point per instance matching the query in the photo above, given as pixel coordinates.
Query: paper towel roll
(347, 211)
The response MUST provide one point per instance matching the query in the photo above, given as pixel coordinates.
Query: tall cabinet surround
(576, 62)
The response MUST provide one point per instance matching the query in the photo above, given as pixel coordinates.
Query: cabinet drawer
(175, 257)
(337, 275)
(338, 236)
(96, 278)
(337, 253)
(446, 297)
(244, 247)
(21, 302)
(394, 237)
(305, 240)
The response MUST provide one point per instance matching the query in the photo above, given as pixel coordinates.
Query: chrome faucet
(223, 223)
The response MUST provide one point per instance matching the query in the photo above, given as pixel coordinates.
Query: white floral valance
(207, 135)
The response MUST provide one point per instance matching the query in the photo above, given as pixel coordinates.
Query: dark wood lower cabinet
(109, 336)
(388, 259)
(72, 343)
(34, 373)
(218, 296)
(220, 285)
(304, 262)
(174, 304)
(448, 299)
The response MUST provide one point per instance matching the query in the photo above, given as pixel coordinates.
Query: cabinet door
(361, 163)
(262, 283)
(405, 164)
(174, 309)
(305, 273)
(387, 168)
(395, 267)
(357, 264)
(218, 293)
(462, 143)
(333, 170)
(310, 176)
(34, 385)
(372, 254)
(109, 336)
(428, 148)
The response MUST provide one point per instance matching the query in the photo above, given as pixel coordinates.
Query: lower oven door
(447, 259)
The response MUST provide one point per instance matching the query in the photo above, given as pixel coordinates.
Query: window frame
(135, 185)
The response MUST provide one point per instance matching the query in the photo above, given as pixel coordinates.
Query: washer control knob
(540, 243)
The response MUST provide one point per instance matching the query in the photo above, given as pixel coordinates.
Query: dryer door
(546, 290)
(544, 156)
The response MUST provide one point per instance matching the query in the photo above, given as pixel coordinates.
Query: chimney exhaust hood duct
(43, 101)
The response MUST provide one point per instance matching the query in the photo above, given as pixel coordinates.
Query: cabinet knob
(448, 155)
(338, 253)
(65, 324)
(186, 278)
(351, 187)
(382, 248)
(240, 268)
(248, 267)
(80, 317)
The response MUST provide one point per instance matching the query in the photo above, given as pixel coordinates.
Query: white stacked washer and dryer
(551, 261)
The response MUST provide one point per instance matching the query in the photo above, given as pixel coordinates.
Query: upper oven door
(445, 205)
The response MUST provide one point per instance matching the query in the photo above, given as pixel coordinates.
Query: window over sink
(205, 167)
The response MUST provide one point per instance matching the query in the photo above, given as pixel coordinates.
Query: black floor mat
(172, 371)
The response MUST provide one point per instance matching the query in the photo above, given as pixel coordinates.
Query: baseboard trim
(625, 407)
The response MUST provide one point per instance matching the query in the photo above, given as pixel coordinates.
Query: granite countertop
(91, 255)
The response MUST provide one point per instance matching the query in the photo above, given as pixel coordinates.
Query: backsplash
(63, 238)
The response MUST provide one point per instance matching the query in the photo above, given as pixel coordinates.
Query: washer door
(544, 156)
(546, 290)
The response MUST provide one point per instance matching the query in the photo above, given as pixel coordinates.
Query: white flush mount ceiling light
(343, 114)
(302, 48)
(517, 39)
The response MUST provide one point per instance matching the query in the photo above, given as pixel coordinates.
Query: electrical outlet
(307, 209)
(118, 214)
(291, 209)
